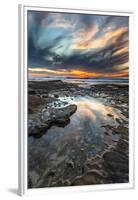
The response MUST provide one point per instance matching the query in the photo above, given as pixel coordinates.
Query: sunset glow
(43, 72)
(77, 45)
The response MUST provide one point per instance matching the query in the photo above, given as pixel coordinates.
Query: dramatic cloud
(77, 45)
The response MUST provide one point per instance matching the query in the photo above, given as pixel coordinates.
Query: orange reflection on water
(84, 108)
(96, 110)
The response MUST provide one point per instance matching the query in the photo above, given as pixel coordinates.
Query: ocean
(86, 83)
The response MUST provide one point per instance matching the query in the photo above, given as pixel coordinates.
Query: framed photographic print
(76, 100)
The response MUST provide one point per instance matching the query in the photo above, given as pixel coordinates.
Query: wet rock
(62, 121)
(109, 115)
(32, 92)
(116, 164)
(67, 183)
(121, 130)
(106, 133)
(51, 85)
(78, 181)
(115, 161)
(123, 147)
(70, 163)
(42, 121)
(33, 177)
(51, 173)
(56, 95)
(65, 103)
(37, 130)
(45, 95)
(34, 102)
(108, 127)
(92, 177)
(118, 120)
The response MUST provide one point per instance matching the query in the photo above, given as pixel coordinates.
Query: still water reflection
(85, 131)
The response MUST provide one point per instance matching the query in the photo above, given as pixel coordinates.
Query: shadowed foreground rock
(43, 119)
(111, 166)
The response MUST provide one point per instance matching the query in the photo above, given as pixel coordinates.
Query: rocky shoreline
(51, 104)
(43, 111)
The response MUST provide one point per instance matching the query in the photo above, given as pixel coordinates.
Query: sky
(77, 45)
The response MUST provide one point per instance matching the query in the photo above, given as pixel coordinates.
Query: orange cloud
(109, 37)
(120, 51)
(44, 72)
(86, 35)
(120, 67)
(33, 74)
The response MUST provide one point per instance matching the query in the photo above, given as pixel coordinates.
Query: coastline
(78, 160)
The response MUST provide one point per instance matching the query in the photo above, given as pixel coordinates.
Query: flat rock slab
(41, 121)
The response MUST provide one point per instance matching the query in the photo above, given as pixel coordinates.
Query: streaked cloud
(67, 44)
(110, 37)
(121, 51)
(73, 73)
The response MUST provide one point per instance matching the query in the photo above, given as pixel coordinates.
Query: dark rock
(45, 95)
(120, 130)
(108, 127)
(38, 130)
(65, 103)
(106, 133)
(47, 86)
(70, 163)
(116, 164)
(67, 183)
(40, 123)
(110, 115)
(62, 121)
(32, 92)
(115, 161)
(51, 173)
(92, 177)
(34, 102)
(118, 120)
(56, 95)
(78, 181)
